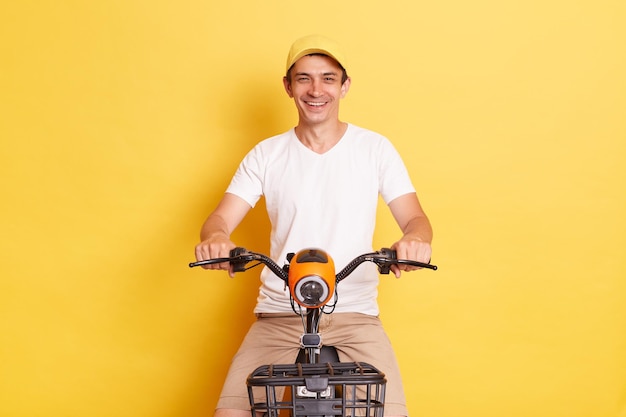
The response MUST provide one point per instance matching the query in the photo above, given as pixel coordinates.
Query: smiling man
(316, 82)
(321, 182)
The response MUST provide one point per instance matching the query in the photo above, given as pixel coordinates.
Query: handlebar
(383, 258)
(239, 258)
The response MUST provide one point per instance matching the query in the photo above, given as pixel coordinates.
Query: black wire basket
(327, 389)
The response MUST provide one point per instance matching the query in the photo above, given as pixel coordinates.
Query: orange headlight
(312, 278)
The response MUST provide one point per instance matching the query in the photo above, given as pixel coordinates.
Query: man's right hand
(215, 247)
(216, 230)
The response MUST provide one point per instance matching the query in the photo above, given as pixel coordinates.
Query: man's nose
(315, 89)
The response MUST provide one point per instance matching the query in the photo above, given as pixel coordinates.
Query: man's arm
(416, 229)
(215, 234)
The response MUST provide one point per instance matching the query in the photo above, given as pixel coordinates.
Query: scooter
(318, 384)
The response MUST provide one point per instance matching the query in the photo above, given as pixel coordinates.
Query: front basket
(328, 389)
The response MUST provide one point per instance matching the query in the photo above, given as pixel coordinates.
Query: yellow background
(122, 121)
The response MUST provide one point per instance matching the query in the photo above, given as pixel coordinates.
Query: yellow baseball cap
(315, 44)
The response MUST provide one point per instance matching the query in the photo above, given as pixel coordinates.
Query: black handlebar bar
(384, 258)
(240, 257)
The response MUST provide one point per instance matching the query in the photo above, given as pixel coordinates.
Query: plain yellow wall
(122, 121)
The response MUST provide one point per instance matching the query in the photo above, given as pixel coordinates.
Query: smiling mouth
(314, 104)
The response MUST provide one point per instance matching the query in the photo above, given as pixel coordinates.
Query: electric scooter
(318, 384)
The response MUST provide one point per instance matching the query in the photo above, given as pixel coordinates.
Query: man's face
(316, 88)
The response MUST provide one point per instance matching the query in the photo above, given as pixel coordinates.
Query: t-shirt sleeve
(394, 179)
(247, 181)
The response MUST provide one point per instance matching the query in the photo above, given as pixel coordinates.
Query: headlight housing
(312, 278)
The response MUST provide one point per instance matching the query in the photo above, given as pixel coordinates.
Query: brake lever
(416, 263)
(389, 257)
(209, 262)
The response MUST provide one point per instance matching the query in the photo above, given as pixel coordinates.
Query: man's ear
(287, 85)
(346, 87)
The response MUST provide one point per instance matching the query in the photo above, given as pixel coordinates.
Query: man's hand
(413, 250)
(216, 230)
(215, 247)
(417, 233)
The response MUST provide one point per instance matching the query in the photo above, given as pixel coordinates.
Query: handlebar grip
(418, 264)
(209, 262)
(392, 256)
(237, 266)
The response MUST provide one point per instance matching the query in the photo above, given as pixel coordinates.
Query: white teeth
(315, 104)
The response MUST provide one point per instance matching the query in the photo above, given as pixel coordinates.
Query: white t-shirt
(326, 201)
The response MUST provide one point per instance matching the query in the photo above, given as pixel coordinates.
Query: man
(321, 182)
